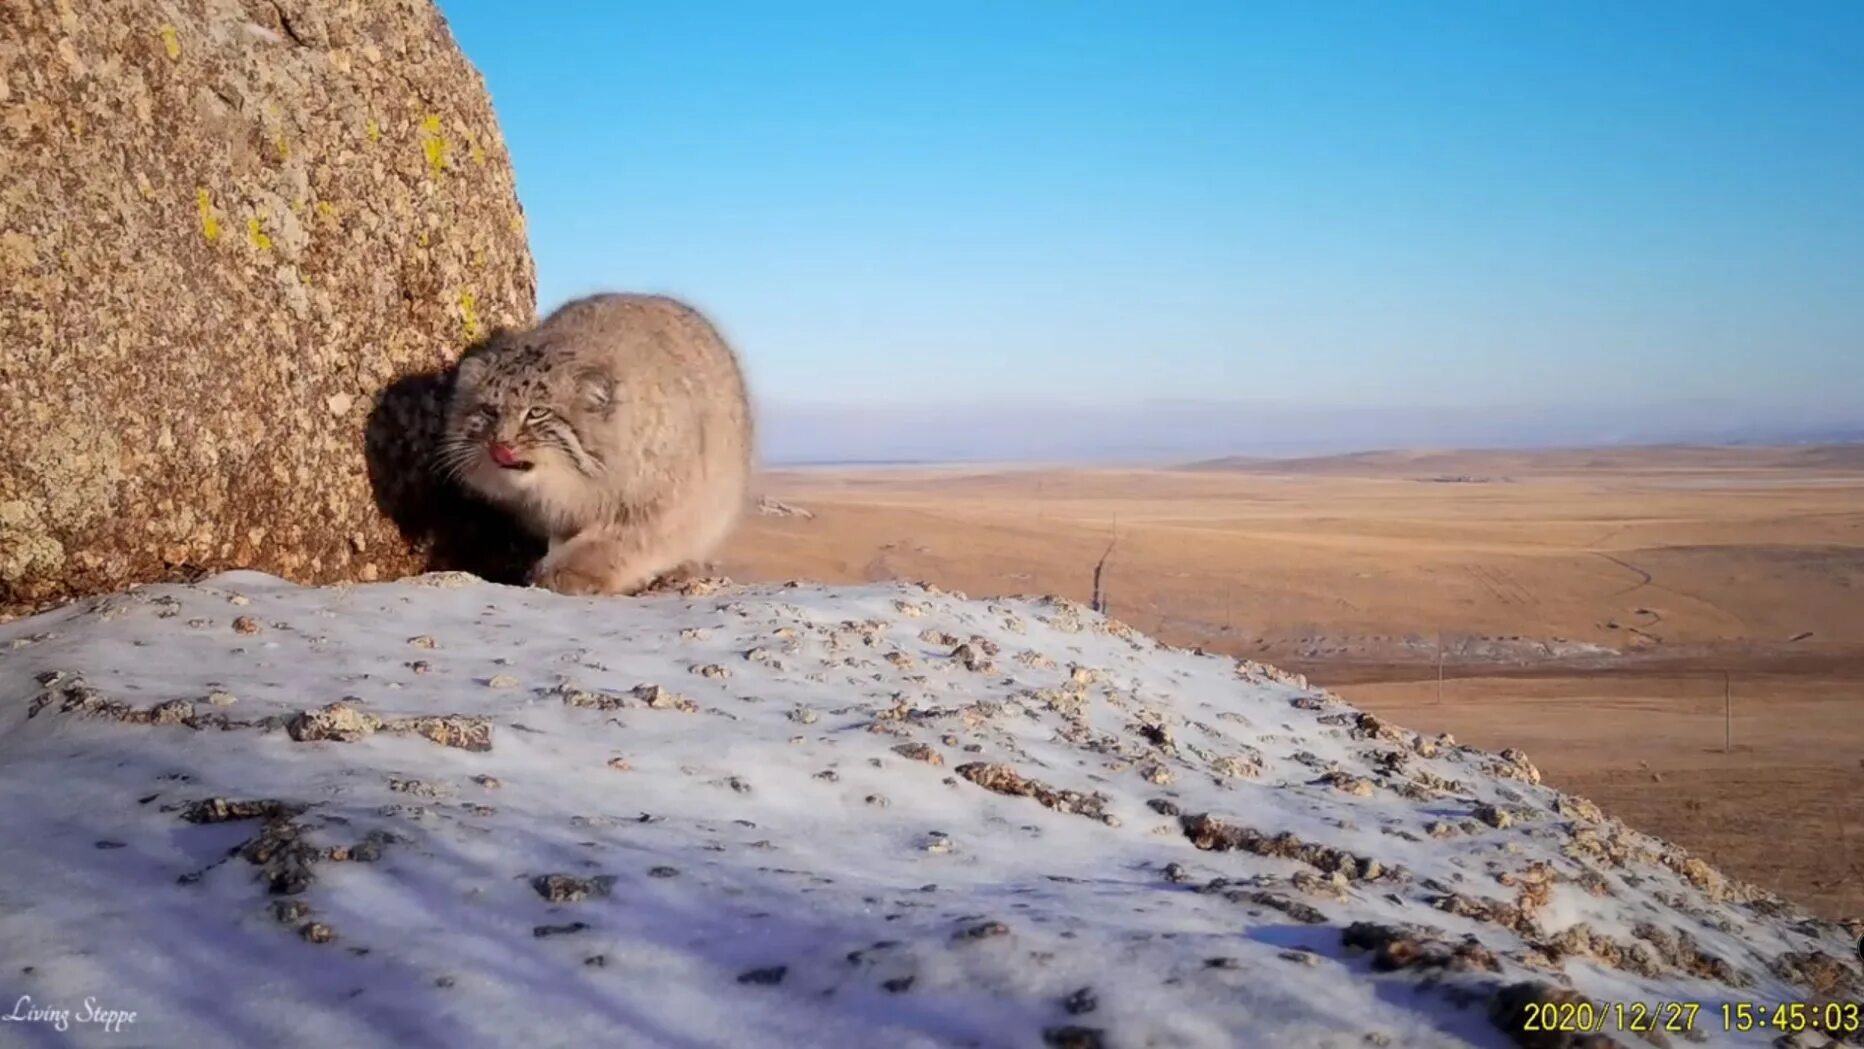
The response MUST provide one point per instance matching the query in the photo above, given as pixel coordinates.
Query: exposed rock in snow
(442, 812)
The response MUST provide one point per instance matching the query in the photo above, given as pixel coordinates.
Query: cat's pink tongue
(502, 453)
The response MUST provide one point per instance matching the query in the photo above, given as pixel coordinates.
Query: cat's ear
(471, 369)
(596, 390)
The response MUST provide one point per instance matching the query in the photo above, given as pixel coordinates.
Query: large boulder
(226, 227)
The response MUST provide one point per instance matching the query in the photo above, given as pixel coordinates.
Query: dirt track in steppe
(1588, 605)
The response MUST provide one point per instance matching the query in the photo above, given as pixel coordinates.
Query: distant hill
(1478, 464)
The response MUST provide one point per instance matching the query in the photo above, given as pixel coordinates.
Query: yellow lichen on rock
(469, 313)
(434, 144)
(210, 226)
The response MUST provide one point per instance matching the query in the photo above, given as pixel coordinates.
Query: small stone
(316, 932)
(1354, 785)
(452, 730)
(596, 961)
(1494, 816)
(1299, 957)
(1072, 1037)
(662, 699)
(501, 681)
(1002, 779)
(919, 752)
(290, 912)
(222, 699)
(1081, 1002)
(1176, 874)
(897, 985)
(1232, 767)
(423, 641)
(663, 872)
(339, 722)
(803, 716)
(982, 931)
(246, 625)
(419, 788)
(972, 657)
(567, 888)
(543, 931)
(488, 782)
(620, 764)
(173, 712)
(765, 977)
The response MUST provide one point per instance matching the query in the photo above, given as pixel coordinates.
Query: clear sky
(1356, 206)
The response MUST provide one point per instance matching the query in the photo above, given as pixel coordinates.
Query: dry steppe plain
(1677, 633)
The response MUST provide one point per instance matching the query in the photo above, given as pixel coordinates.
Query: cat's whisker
(564, 437)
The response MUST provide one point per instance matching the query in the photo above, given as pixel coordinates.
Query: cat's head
(521, 419)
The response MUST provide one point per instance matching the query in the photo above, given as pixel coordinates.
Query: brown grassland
(1589, 607)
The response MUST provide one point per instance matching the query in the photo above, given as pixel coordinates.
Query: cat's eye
(536, 415)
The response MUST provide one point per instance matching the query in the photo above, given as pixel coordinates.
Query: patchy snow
(789, 816)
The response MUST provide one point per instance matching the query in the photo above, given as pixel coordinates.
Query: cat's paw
(566, 578)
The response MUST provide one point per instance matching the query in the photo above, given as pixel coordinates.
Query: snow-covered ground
(442, 812)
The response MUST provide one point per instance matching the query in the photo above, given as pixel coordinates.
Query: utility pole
(1439, 666)
(1728, 715)
(1100, 597)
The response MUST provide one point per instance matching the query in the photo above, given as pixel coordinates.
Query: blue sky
(1616, 209)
